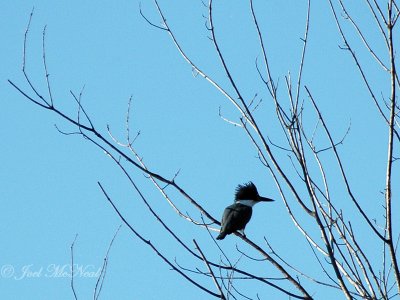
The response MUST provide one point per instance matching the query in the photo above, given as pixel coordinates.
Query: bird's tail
(221, 235)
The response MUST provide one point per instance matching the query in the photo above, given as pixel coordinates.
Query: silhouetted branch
(342, 168)
(303, 54)
(193, 65)
(100, 279)
(392, 132)
(153, 248)
(361, 35)
(209, 269)
(45, 66)
(72, 267)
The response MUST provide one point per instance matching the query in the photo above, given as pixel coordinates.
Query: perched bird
(237, 215)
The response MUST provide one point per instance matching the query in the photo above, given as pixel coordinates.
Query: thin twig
(45, 66)
(100, 279)
(72, 267)
(209, 269)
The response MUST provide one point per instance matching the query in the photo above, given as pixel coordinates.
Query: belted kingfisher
(237, 215)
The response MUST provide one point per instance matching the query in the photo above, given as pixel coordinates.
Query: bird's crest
(246, 191)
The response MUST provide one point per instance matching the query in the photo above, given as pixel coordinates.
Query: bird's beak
(264, 199)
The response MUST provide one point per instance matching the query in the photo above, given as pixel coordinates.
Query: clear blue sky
(48, 181)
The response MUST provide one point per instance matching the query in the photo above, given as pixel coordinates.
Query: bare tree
(307, 189)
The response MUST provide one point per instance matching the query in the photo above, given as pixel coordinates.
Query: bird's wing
(227, 212)
(233, 218)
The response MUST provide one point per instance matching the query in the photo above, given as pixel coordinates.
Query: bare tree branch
(154, 249)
